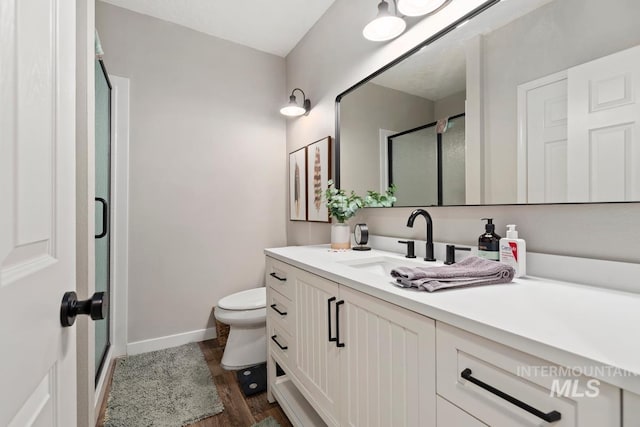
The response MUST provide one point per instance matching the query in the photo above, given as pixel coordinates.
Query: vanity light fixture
(293, 109)
(419, 7)
(385, 26)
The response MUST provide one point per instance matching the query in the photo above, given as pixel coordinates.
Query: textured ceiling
(270, 26)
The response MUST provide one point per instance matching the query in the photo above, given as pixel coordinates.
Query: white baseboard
(160, 343)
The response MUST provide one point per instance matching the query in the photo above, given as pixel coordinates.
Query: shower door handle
(105, 217)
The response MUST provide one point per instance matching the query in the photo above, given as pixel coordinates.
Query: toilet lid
(245, 300)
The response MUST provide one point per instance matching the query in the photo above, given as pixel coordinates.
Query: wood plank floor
(239, 411)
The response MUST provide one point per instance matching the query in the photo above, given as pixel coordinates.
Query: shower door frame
(108, 227)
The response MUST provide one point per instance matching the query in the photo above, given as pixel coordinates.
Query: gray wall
(207, 167)
(365, 112)
(450, 106)
(333, 56)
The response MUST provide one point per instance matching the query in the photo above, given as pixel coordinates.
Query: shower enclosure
(428, 166)
(102, 207)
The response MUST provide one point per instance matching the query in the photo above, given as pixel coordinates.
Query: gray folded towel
(471, 271)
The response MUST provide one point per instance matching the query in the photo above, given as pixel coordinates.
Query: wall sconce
(386, 26)
(293, 109)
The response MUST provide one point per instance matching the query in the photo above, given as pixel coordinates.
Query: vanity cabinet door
(316, 362)
(387, 364)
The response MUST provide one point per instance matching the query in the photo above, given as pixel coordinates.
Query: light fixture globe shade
(292, 110)
(384, 28)
(418, 7)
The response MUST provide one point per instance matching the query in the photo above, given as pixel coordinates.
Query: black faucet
(427, 217)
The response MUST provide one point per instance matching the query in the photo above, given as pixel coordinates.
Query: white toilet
(246, 314)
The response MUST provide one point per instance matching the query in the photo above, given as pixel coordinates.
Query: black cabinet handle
(329, 301)
(338, 343)
(105, 217)
(274, 275)
(273, 338)
(549, 417)
(282, 313)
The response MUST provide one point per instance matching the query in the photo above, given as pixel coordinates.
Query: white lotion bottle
(513, 251)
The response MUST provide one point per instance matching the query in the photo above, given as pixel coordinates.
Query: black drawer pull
(281, 313)
(273, 338)
(329, 301)
(274, 275)
(549, 417)
(338, 343)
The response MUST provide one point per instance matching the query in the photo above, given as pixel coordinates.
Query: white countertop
(568, 324)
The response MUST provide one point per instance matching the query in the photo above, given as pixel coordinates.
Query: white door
(545, 102)
(37, 211)
(604, 130)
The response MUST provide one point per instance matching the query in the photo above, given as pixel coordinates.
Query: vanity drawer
(281, 310)
(450, 415)
(282, 345)
(280, 276)
(480, 376)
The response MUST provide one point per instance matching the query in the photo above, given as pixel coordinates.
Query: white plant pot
(340, 235)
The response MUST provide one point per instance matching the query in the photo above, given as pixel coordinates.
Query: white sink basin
(383, 265)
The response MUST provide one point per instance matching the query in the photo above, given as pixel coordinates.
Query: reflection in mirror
(426, 164)
(548, 89)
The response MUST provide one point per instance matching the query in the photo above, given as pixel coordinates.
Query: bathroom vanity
(357, 350)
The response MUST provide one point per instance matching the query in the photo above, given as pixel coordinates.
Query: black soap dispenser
(489, 242)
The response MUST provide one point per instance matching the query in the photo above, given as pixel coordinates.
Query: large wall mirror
(522, 101)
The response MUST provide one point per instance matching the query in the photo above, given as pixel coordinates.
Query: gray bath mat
(165, 388)
(267, 422)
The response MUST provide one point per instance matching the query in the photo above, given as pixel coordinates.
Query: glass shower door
(102, 206)
(413, 165)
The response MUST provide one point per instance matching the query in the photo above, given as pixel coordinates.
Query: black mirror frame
(440, 34)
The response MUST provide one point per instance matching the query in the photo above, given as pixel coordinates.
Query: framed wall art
(318, 175)
(298, 185)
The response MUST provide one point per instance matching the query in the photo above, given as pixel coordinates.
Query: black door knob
(96, 307)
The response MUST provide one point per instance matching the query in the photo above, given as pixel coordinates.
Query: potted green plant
(373, 199)
(343, 206)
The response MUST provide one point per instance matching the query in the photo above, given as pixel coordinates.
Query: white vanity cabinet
(355, 359)
(358, 360)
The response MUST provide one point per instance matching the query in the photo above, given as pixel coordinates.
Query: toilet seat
(251, 299)
(241, 317)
